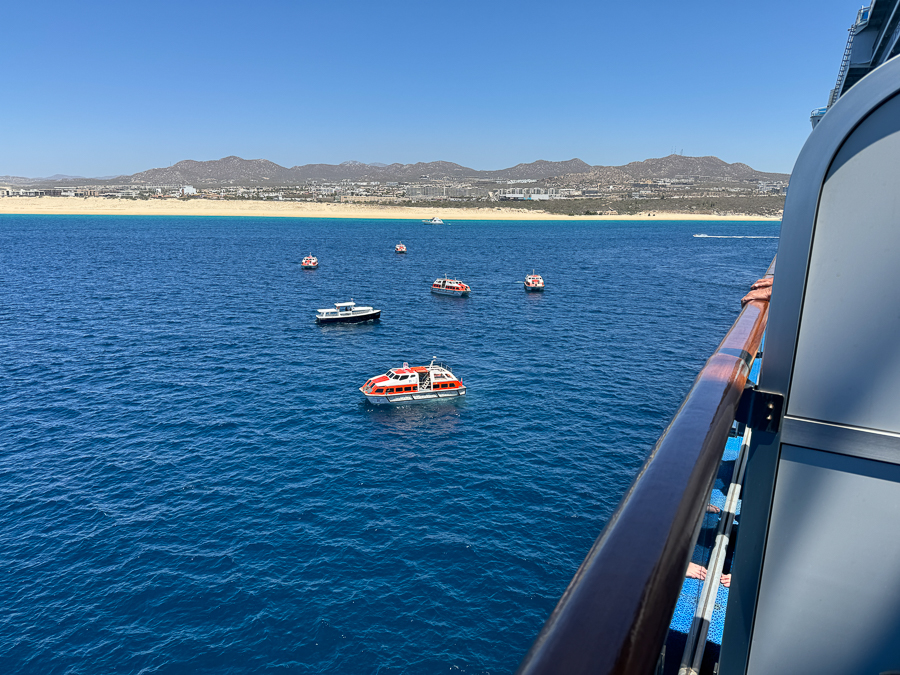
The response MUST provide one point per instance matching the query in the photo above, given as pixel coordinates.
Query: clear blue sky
(104, 88)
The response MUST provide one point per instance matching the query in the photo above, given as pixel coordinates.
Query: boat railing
(614, 616)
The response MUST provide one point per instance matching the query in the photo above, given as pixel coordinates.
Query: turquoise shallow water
(191, 482)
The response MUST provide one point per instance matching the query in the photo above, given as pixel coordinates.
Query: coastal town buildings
(589, 190)
(349, 191)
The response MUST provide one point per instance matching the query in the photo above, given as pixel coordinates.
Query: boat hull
(534, 289)
(361, 318)
(409, 397)
(309, 267)
(455, 294)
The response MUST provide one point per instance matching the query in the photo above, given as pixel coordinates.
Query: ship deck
(689, 598)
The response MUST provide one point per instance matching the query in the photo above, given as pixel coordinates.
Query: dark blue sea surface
(192, 483)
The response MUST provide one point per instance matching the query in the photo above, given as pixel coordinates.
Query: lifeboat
(416, 384)
(347, 312)
(400, 248)
(310, 262)
(534, 282)
(448, 286)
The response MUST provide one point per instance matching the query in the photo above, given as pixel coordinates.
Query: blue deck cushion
(690, 589)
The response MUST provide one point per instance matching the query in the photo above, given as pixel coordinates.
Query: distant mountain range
(237, 171)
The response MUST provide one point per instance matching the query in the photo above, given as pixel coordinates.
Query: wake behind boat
(737, 236)
(347, 312)
(413, 385)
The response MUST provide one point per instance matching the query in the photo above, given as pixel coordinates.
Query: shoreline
(95, 206)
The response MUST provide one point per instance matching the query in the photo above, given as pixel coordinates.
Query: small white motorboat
(347, 312)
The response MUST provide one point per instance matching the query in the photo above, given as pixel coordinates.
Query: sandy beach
(204, 207)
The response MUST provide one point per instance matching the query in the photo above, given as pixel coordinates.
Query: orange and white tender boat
(416, 384)
(448, 286)
(400, 248)
(310, 262)
(534, 282)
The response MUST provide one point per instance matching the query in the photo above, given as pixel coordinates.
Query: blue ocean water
(191, 482)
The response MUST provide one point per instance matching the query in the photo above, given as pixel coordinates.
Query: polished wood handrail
(615, 613)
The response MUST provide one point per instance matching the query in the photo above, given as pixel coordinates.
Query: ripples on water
(191, 481)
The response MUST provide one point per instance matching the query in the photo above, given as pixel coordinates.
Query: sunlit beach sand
(197, 207)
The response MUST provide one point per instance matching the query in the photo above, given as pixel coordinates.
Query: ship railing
(614, 616)
(891, 41)
(845, 65)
